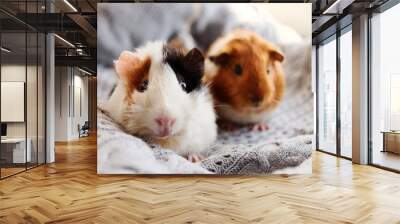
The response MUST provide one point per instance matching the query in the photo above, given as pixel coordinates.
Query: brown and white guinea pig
(245, 77)
(161, 98)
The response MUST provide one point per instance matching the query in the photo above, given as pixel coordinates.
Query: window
(385, 89)
(22, 77)
(327, 96)
(335, 137)
(346, 93)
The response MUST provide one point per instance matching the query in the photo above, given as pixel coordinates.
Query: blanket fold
(121, 153)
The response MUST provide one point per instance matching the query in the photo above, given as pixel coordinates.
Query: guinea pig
(160, 97)
(245, 76)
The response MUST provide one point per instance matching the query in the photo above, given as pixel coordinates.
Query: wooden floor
(70, 191)
(387, 159)
(10, 171)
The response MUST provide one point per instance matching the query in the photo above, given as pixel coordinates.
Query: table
(391, 141)
(13, 150)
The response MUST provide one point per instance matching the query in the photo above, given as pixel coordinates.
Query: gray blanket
(242, 152)
(287, 143)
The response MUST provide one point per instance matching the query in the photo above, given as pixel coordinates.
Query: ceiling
(75, 21)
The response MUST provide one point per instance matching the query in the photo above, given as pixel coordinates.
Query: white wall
(62, 81)
(17, 73)
(79, 117)
(295, 15)
(70, 83)
(33, 126)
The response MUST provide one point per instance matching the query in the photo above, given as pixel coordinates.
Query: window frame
(334, 37)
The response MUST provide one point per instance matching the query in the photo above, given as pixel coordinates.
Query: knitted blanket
(287, 144)
(121, 153)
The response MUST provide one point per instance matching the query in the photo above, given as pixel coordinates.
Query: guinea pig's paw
(259, 127)
(194, 158)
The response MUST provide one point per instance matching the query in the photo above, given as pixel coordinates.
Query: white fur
(195, 128)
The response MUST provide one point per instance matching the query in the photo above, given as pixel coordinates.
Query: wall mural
(203, 89)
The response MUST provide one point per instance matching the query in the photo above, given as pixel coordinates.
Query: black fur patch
(188, 68)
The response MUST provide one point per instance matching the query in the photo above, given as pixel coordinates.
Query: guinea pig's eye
(268, 70)
(143, 86)
(183, 85)
(238, 69)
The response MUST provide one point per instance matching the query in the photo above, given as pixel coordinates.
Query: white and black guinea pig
(160, 98)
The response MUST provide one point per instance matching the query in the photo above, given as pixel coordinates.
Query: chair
(84, 130)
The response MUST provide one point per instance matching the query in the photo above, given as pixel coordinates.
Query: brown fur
(139, 73)
(176, 42)
(132, 71)
(254, 55)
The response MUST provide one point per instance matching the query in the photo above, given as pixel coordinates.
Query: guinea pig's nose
(165, 122)
(256, 100)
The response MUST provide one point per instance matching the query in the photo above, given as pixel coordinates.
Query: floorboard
(70, 191)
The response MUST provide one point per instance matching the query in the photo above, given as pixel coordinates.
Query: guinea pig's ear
(131, 69)
(126, 64)
(276, 55)
(194, 62)
(221, 59)
(193, 65)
